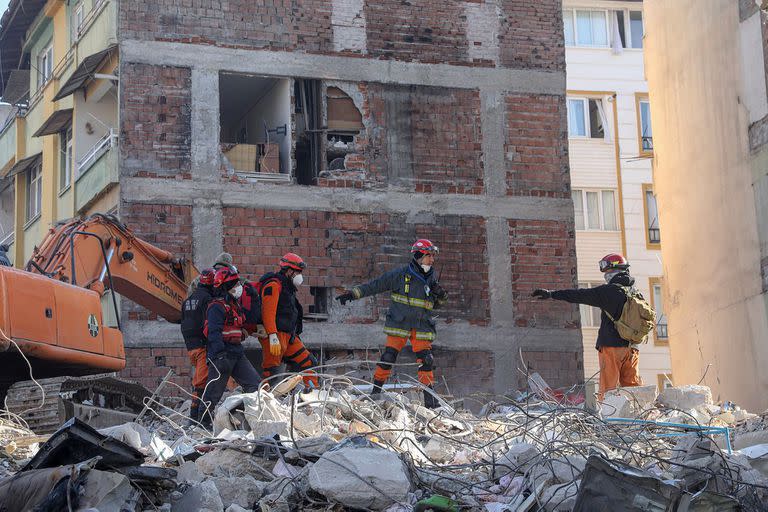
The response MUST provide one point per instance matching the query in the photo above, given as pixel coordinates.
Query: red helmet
(293, 261)
(613, 261)
(207, 276)
(225, 275)
(424, 245)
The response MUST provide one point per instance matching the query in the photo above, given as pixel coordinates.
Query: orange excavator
(51, 312)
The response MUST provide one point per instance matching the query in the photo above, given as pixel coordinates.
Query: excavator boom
(51, 312)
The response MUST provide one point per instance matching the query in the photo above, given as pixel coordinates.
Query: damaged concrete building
(342, 130)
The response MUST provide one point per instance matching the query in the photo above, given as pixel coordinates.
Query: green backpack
(637, 317)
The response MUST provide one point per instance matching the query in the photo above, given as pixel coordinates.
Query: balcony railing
(7, 239)
(654, 235)
(103, 145)
(647, 143)
(661, 331)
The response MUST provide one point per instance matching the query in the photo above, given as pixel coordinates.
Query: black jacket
(193, 314)
(412, 300)
(607, 297)
(290, 313)
(4, 261)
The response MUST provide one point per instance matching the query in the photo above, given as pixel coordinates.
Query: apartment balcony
(98, 30)
(647, 143)
(7, 144)
(96, 171)
(661, 331)
(654, 235)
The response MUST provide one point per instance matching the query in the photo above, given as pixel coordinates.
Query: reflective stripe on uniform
(410, 301)
(402, 333)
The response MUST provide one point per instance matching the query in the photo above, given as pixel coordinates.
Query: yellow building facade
(58, 148)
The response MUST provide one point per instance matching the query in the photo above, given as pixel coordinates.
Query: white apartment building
(611, 149)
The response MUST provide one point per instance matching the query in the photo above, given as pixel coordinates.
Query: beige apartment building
(707, 85)
(611, 145)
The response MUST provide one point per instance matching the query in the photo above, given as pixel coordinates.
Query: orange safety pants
(291, 351)
(618, 367)
(422, 349)
(197, 358)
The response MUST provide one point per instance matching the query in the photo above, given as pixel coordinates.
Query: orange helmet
(292, 261)
(613, 261)
(424, 245)
(207, 276)
(225, 276)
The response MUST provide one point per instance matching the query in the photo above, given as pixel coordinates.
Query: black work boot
(378, 386)
(430, 400)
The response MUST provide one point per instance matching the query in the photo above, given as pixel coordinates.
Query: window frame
(642, 97)
(44, 71)
(78, 16)
(661, 378)
(66, 155)
(585, 101)
(577, 43)
(653, 282)
(650, 245)
(601, 210)
(33, 204)
(628, 27)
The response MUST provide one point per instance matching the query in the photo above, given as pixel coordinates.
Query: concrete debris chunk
(237, 508)
(229, 463)
(369, 478)
(560, 497)
(685, 397)
(517, 459)
(616, 405)
(105, 491)
(132, 434)
(243, 491)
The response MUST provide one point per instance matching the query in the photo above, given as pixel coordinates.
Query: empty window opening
(255, 124)
(309, 131)
(318, 310)
(344, 122)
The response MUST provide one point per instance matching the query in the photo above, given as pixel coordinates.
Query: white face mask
(426, 268)
(237, 291)
(610, 275)
(298, 279)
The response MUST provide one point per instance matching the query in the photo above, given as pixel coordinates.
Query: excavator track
(100, 391)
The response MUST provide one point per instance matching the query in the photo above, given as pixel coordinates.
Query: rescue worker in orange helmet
(224, 331)
(618, 358)
(282, 317)
(415, 292)
(193, 314)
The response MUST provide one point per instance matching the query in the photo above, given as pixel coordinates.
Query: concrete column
(205, 124)
(207, 231)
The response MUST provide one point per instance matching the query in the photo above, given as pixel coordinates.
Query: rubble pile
(337, 449)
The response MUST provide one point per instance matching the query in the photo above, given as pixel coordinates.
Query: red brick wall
(438, 128)
(537, 139)
(148, 366)
(279, 25)
(558, 368)
(531, 34)
(417, 30)
(543, 256)
(155, 130)
(344, 249)
(166, 226)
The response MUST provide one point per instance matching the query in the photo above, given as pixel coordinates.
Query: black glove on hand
(541, 293)
(345, 297)
(439, 292)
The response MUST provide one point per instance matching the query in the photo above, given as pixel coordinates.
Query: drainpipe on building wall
(620, 188)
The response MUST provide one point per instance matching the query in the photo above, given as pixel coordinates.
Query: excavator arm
(51, 312)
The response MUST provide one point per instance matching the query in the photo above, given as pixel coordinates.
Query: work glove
(345, 297)
(439, 292)
(541, 293)
(245, 334)
(261, 332)
(274, 345)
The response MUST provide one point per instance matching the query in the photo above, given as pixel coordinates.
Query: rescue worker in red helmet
(224, 331)
(193, 314)
(618, 358)
(282, 317)
(414, 293)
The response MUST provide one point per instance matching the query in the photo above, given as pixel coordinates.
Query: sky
(3, 6)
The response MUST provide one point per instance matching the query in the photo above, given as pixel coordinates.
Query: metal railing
(661, 331)
(654, 235)
(8, 239)
(647, 143)
(103, 145)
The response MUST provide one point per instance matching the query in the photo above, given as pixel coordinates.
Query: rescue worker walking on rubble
(282, 317)
(225, 335)
(618, 356)
(414, 293)
(194, 311)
